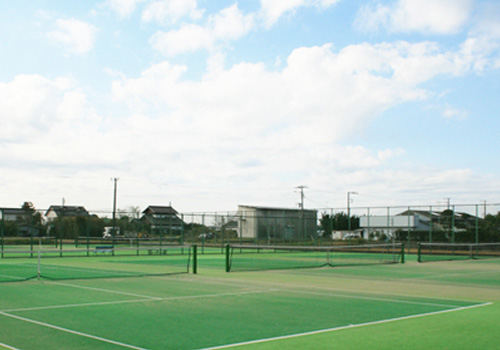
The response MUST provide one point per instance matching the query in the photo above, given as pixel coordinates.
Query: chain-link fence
(472, 223)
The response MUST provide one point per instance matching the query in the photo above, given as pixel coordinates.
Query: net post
(419, 253)
(228, 266)
(402, 252)
(195, 259)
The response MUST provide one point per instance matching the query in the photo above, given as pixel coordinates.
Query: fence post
(195, 259)
(477, 224)
(228, 266)
(402, 253)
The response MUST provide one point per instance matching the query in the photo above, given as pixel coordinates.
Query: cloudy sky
(210, 104)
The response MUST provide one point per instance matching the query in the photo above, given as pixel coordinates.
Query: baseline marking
(71, 331)
(8, 346)
(343, 327)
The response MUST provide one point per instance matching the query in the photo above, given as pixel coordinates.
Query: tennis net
(99, 262)
(254, 257)
(87, 242)
(457, 251)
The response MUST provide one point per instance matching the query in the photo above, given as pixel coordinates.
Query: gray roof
(275, 209)
(158, 209)
(68, 210)
(12, 211)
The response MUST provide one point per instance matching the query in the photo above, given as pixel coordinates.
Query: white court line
(103, 290)
(101, 272)
(342, 327)
(50, 307)
(448, 275)
(214, 295)
(16, 277)
(8, 346)
(301, 288)
(71, 331)
(138, 300)
(389, 300)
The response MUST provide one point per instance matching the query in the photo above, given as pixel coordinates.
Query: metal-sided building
(276, 225)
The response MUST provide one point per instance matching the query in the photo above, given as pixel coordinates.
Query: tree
(31, 222)
(489, 228)
(71, 227)
(339, 222)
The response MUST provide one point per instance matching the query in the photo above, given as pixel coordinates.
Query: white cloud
(481, 50)
(427, 16)
(228, 24)
(189, 38)
(239, 127)
(272, 10)
(453, 113)
(124, 8)
(75, 35)
(277, 127)
(46, 121)
(170, 11)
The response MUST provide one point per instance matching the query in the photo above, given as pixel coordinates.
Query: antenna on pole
(448, 201)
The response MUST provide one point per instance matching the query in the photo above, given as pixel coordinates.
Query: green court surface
(443, 305)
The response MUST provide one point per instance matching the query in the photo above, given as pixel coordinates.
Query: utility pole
(301, 188)
(448, 201)
(301, 206)
(115, 180)
(349, 193)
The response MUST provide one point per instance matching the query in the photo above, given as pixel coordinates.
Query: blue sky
(211, 104)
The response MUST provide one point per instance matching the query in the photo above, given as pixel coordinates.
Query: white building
(389, 224)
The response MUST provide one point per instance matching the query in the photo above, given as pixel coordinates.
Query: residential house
(416, 220)
(12, 214)
(57, 211)
(21, 218)
(162, 220)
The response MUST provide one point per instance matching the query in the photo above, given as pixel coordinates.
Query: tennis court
(439, 305)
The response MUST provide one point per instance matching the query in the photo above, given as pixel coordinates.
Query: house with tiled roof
(56, 211)
(162, 220)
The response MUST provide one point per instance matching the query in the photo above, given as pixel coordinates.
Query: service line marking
(388, 300)
(216, 295)
(104, 290)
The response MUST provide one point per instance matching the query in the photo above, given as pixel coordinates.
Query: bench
(103, 249)
(157, 251)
